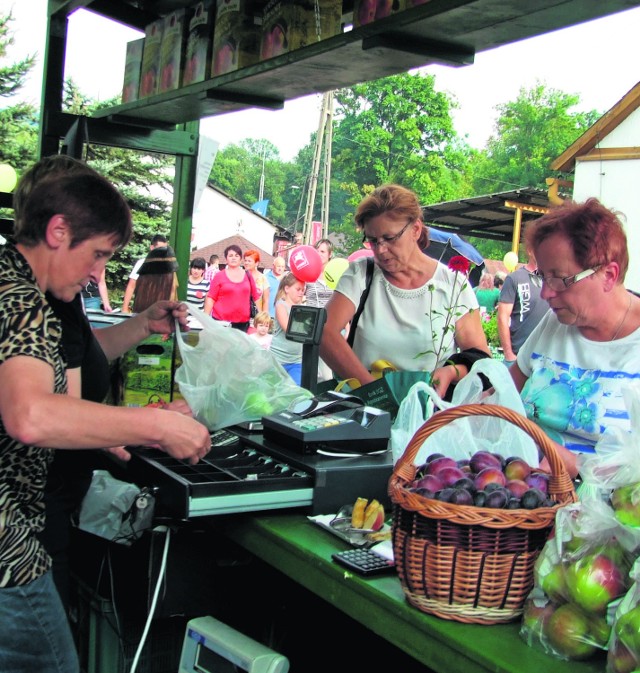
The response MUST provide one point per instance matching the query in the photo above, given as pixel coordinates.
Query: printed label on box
(292, 24)
(151, 59)
(199, 43)
(132, 67)
(236, 36)
(172, 50)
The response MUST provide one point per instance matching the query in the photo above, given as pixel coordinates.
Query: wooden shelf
(441, 31)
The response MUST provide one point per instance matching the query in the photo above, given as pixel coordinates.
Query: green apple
(257, 404)
(626, 504)
(554, 584)
(620, 659)
(627, 629)
(567, 631)
(595, 580)
(534, 619)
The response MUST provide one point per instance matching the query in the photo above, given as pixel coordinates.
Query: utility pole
(324, 127)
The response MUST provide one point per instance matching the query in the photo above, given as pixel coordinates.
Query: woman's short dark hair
(233, 248)
(198, 263)
(91, 205)
(594, 232)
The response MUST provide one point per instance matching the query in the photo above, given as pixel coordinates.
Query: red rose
(459, 264)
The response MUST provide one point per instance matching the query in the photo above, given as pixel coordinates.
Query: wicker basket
(470, 564)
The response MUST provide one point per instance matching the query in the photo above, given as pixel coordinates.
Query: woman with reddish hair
(251, 259)
(574, 366)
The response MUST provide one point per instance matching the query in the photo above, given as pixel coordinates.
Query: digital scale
(213, 647)
(333, 422)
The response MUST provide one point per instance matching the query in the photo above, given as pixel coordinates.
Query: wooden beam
(526, 207)
(611, 154)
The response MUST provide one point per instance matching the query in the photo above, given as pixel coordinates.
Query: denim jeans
(35, 634)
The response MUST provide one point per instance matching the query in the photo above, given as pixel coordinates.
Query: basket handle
(560, 483)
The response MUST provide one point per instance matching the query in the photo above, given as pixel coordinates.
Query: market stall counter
(301, 550)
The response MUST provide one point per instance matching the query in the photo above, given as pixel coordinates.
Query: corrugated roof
(490, 216)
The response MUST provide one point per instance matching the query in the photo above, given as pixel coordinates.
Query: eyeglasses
(561, 284)
(370, 242)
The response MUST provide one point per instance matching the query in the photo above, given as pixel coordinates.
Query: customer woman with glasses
(574, 366)
(417, 313)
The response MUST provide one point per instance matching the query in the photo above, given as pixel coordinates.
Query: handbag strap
(251, 284)
(363, 299)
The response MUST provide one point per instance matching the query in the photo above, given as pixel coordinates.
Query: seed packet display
(149, 74)
(132, 67)
(197, 66)
(172, 49)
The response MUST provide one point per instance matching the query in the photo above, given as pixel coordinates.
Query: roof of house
(594, 134)
(218, 248)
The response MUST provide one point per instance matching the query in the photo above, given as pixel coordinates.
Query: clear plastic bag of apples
(579, 579)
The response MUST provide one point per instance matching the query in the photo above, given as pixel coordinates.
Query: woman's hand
(162, 315)
(443, 377)
(180, 406)
(119, 452)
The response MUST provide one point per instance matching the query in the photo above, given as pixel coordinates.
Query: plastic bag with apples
(624, 647)
(581, 572)
(612, 472)
(227, 378)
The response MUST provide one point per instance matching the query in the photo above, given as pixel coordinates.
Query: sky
(597, 60)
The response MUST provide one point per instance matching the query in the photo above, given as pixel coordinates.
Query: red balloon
(363, 252)
(305, 263)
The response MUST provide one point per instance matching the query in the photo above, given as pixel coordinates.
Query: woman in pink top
(231, 288)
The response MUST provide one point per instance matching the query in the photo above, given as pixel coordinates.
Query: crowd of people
(568, 326)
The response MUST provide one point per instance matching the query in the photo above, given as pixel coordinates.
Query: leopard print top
(28, 327)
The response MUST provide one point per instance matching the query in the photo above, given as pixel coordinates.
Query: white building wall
(218, 217)
(616, 184)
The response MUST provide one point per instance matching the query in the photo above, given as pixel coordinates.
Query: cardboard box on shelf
(132, 67)
(236, 35)
(367, 11)
(292, 24)
(149, 73)
(197, 66)
(172, 48)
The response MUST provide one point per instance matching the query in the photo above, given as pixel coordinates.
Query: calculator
(364, 561)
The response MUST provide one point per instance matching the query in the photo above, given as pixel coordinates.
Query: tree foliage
(530, 133)
(18, 120)
(398, 129)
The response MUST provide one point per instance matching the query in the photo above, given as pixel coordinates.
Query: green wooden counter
(302, 550)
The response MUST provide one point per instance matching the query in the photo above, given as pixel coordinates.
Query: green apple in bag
(625, 501)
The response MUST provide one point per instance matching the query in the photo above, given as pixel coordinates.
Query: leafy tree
(530, 133)
(399, 129)
(144, 179)
(237, 170)
(18, 121)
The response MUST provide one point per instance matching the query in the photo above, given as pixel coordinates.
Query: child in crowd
(262, 325)
(287, 353)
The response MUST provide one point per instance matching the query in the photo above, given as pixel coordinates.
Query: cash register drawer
(233, 478)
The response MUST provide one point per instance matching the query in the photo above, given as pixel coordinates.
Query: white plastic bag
(465, 436)
(420, 403)
(115, 510)
(228, 378)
